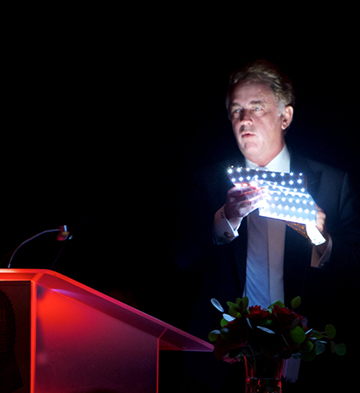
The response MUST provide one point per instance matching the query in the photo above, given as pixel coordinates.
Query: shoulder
(315, 168)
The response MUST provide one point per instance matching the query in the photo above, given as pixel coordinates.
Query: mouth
(247, 134)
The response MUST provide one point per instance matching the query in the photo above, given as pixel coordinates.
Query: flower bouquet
(262, 338)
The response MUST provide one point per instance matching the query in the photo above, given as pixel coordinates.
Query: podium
(70, 338)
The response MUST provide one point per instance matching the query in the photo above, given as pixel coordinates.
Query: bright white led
(291, 182)
(313, 212)
(300, 210)
(307, 211)
(239, 169)
(283, 183)
(230, 171)
(233, 180)
(241, 179)
(273, 174)
(299, 181)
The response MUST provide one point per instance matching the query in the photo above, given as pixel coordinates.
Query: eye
(235, 112)
(257, 109)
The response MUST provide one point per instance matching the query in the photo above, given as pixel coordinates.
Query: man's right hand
(242, 200)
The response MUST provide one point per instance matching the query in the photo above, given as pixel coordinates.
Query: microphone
(63, 235)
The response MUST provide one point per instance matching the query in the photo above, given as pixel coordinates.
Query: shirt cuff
(318, 260)
(223, 231)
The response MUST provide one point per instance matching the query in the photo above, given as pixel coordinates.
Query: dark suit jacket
(222, 269)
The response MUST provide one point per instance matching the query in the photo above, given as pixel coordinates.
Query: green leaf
(332, 346)
(234, 310)
(224, 333)
(232, 305)
(277, 303)
(234, 313)
(214, 335)
(316, 334)
(308, 346)
(296, 302)
(340, 349)
(319, 347)
(330, 331)
(298, 335)
(223, 322)
(308, 356)
(295, 323)
(244, 304)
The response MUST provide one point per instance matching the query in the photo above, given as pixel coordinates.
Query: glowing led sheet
(287, 200)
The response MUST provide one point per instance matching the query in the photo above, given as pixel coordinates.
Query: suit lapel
(297, 256)
(300, 164)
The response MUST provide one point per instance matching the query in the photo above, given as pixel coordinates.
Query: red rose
(284, 318)
(258, 315)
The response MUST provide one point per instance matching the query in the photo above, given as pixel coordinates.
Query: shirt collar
(281, 163)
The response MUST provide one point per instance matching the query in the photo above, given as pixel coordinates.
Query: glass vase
(263, 375)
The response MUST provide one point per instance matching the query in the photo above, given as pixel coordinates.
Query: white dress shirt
(264, 285)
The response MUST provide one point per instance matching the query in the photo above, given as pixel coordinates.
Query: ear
(287, 116)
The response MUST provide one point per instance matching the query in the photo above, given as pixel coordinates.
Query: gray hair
(263, 71)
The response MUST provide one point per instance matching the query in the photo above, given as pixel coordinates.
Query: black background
(106, 112)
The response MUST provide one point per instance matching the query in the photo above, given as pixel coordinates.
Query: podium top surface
(169, 337)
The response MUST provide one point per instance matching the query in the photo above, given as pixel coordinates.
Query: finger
(249, 206)
(241, 188)
(319, 209)
(255, 195)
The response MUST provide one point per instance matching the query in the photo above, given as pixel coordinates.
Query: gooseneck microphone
(63, 235)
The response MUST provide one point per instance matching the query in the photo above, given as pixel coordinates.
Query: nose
(245, 117)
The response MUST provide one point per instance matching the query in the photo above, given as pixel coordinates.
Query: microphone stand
(62, 236)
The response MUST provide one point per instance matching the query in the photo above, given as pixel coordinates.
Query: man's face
(257, 121)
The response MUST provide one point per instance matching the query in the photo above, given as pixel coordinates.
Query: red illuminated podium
(73, 339)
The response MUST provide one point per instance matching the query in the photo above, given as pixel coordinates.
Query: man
(236, 252)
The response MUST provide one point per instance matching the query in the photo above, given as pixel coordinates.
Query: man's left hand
(321, 226)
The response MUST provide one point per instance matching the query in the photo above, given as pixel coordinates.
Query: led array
(287, 196)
